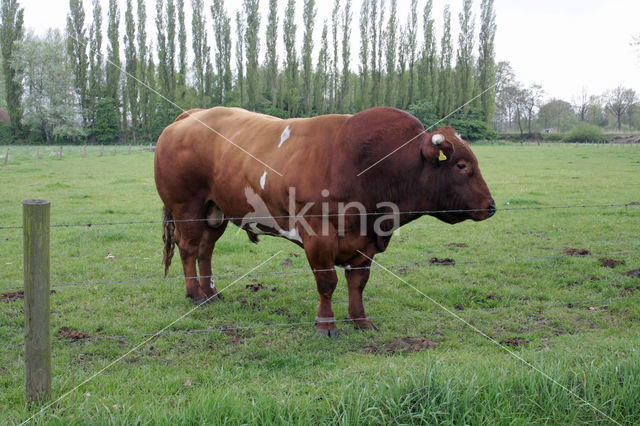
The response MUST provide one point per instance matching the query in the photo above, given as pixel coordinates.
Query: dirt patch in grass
(514, 342)
(634, 273)
(576, 252)
(408, 344)
(461, 245)
(402, 271)
(611, 263)
(629, 291)
(287, 262)
(254, 287)
(12, 296)
(67, 333)
(444, 261)
(236, 336)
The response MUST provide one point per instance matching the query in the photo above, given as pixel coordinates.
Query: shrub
(6, 134)
(584, 132)
(276, 112)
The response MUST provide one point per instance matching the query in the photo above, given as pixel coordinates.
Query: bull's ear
(436, 148)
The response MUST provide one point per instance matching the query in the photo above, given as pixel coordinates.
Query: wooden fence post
(129, 149)
(37, 341)
(101, 150)
(6, 158)
(84, 151)
(61, 153)
(37, 155)
(115, 149)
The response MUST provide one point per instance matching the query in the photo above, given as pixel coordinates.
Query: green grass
(511, 280)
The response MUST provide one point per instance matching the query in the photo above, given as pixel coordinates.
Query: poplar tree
(113, 66)
(320, 79)
(308, 16)
(113, 54)
(11, 33)
(343, 105)
(291, 61)
(334, 59)
(95, 85)
(381, 38)
(131, 67)
(240, 56)
(446, 97)
(465, 60)
(145, 90)
(364, 55)
(390, 53)
(486, 69)
(252, 45)
(222, 31)
(373, 36)
(271, 60)
(163, 111)
(411, 46)
(403, 53)
(181, 76)
(171, 51)
(428, 69)
(200, 50)
(77, 44)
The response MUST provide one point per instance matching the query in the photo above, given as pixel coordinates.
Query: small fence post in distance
(37, 341)
(37, 155)
(6, 158)
(84, 151)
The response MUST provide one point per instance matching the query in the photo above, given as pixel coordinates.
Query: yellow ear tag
(442, 157)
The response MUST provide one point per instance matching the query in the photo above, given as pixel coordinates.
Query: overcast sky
(563, 45)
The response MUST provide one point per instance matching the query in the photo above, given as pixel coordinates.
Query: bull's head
(451, 172)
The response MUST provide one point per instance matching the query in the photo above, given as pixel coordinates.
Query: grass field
(569, 317)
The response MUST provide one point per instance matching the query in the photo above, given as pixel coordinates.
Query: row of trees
(127, 87)
(524, 110)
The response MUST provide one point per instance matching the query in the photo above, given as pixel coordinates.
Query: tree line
(125, 87)
(524, 110)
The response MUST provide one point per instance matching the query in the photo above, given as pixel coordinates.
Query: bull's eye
(461, 166)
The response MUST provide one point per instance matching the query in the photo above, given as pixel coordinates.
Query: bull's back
(222, 151)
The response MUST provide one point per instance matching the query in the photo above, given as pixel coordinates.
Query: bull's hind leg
(190, 229)
(205, 250)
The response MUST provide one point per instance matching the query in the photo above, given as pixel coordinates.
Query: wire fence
(89, 224)
(434, 262)
(592, 303)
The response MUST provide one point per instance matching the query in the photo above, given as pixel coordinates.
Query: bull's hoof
(326, 327)
(207, 300)
(364, 324)
(331, 332)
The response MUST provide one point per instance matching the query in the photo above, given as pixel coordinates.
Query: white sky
(564, 45)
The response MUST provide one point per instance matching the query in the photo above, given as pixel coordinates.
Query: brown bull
(228, 164)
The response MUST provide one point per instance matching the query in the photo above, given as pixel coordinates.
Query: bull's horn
(437, 139)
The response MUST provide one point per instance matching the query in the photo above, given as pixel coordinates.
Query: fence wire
(307, 271)
(89, 224)
(415, 316)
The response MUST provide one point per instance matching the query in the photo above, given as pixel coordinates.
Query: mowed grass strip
(511, 280)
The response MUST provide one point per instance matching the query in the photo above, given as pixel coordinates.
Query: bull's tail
(168, 236)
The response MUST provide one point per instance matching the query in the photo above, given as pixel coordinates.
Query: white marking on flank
(437, 139)
(291, 235)
(263, 179)
(285, 135)
(254, 228)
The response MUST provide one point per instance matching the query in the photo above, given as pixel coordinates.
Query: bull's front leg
(320, 254)
(357, 276)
